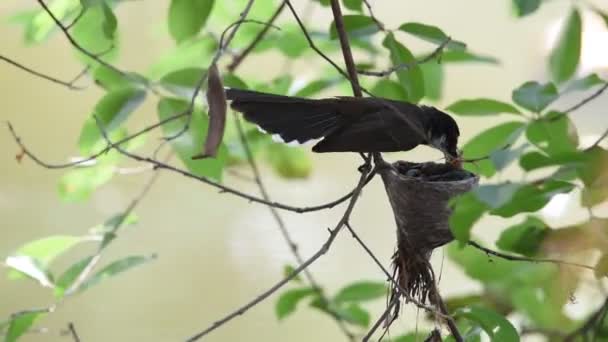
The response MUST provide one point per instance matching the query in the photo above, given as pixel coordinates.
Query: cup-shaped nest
(419, 195)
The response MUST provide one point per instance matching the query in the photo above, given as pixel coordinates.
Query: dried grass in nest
(419, 195)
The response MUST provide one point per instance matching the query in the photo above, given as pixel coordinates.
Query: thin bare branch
(238, 59)
(312, 45)
(587, 99)
(293, 247)
(374, 18)
(520, 258)
(77, 45)
(345, 45)
(73, 332)
(69, 85)
(324, 248)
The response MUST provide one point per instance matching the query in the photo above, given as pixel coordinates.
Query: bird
(349, 124)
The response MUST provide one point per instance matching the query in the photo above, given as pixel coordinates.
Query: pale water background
(217, 251)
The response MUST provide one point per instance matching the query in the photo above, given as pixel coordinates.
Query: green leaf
(523, 238)
(361, 291)
(554, 134)
(496, 195)
(601, 268)
(356, 25)
(289, 300)
(503, 158)
(289, 270)
(536, 160)
(496, 326)
(452, 56)
(480, 107)
(183, 82)
(23, 265)
(535, 96)
(566, 54)
(40, 25)
(431, 34)
(115, 268)
(418, 336)
(593, 174)
(79, 184)
(110, 79)
(467, 209)
(525, 7)
(433, 80)
(191, 141)
(389, 89)
(584, 83)
(532, 197)
(70, 275)
(291, 42)
(288, 161)
(187, 17)
(112, 111)
(187, 54)
(355, 314)
(41, 252)
(95, 31)
(411, 79)
(315, 87)
(353, 5)
(489, 141)
(21, 323)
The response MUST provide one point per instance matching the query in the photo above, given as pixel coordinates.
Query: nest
(419, 195)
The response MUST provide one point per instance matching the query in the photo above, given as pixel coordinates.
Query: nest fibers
(419, 195)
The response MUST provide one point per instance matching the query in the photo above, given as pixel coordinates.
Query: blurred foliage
(537, 138)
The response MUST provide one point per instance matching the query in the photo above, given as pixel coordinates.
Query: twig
(324, 248)
(281, 224)
(374, 18)
(312, 45)
(381, 319)
(443, 309)
(69, 85)
(236, 61)
(77, 45)
(587, 99)
(599, 140)
(595, 319)
(73, 332)
(402, 291)
(520, 258)
(345, 45)
(82, 277)
(395, 68)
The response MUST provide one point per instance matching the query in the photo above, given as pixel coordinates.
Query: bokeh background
(217, 251)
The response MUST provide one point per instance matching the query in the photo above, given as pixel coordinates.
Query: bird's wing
(292, 118)
(383, 130)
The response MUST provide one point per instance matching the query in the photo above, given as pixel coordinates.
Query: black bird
(349, 124)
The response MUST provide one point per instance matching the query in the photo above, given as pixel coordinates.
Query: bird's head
(442, 133)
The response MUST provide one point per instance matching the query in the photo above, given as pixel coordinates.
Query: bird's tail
(292, 118)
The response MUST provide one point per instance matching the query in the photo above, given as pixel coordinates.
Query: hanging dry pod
(419, 195)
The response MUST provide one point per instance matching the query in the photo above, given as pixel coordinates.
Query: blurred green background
(217, 251)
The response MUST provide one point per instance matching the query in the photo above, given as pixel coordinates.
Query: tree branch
(587, 99)
(312, 45)
(236, 61)
(69, 85)
(346, 51)
(520, 258)
(324, 248)
(281, 224)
